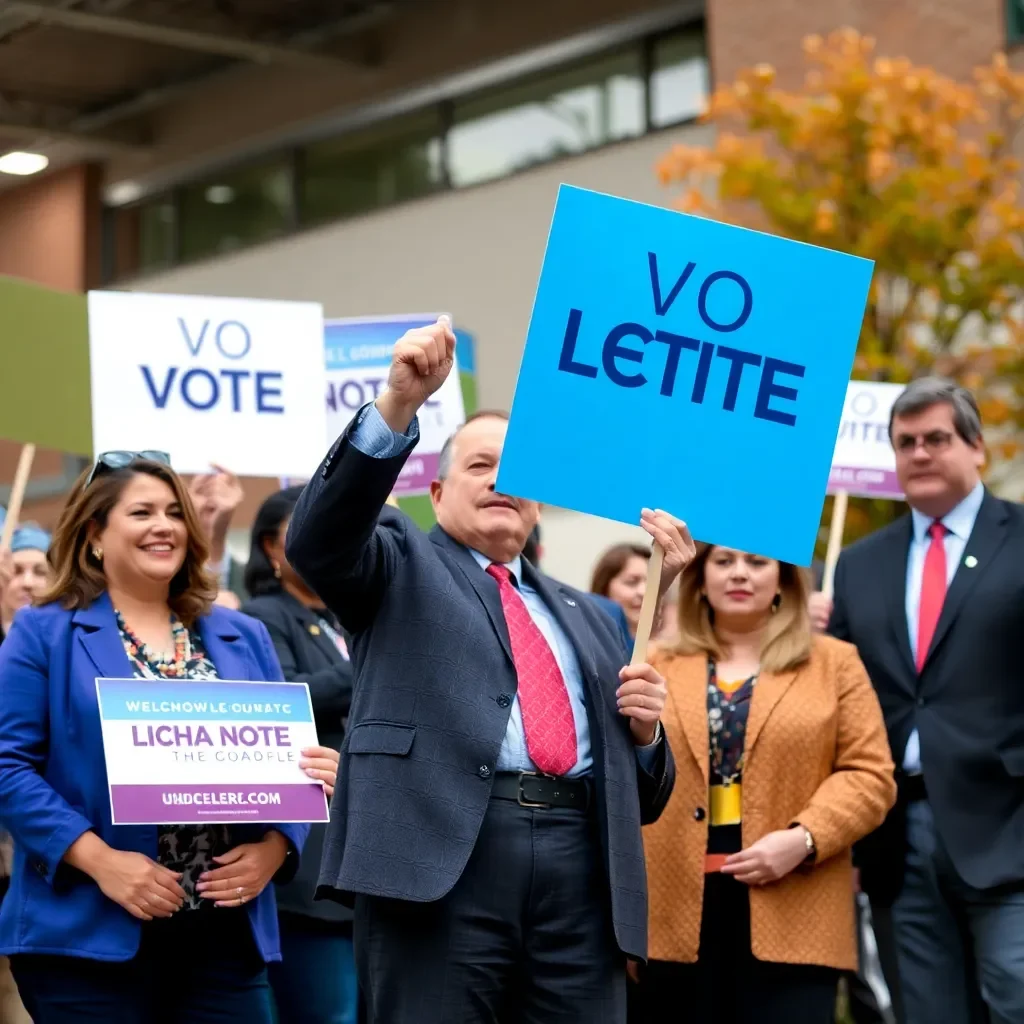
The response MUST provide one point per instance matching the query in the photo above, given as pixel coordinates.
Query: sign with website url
(204, 753)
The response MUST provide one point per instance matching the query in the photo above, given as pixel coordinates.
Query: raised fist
(420, 364)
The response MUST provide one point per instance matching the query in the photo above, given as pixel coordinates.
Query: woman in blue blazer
(128, 923)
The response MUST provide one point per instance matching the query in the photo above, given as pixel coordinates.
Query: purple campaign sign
(865, 483)
(170, 805)
(208, 752)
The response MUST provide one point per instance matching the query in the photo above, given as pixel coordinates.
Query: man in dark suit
(935, 605)
(500, 760)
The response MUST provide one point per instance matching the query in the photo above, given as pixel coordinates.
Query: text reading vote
(202, 389)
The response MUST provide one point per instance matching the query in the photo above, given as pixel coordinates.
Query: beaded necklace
(177, 666)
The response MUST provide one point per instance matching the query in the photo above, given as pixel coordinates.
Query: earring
(277, 570)
(776, 602)
(97, 553)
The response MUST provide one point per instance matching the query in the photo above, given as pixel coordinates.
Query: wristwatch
(812, 850)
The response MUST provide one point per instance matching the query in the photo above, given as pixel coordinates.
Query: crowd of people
(525, 826)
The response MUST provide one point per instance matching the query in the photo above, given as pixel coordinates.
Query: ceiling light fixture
(23, 164)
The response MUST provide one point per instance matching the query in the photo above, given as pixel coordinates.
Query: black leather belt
(912, 788)
(543, 791)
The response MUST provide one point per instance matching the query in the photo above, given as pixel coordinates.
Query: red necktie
(933, 591)
(543, 699)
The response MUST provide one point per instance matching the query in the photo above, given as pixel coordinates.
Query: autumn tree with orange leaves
(901, 165)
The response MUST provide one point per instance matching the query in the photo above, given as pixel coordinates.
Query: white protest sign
(357, 353)
(237, 382)
(863, 463)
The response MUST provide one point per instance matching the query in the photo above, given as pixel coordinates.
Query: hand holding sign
(678, 548)
(420, 364)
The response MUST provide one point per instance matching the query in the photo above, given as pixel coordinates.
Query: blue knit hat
(30, 537)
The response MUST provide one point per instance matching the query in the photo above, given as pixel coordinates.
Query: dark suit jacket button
(920, 702)
(484, 772)
(698, 815)
(504, 700)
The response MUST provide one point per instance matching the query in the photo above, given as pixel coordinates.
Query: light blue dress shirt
(373, 437)
(513, 756)
(958, 523)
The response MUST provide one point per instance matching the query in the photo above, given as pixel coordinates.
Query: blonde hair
(787, 639)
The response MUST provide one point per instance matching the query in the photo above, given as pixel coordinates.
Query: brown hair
(78, 577)
(787, 640)
(611, 563)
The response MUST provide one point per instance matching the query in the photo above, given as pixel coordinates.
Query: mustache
(500, 499)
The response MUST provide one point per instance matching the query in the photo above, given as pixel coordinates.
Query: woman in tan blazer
(782, 764)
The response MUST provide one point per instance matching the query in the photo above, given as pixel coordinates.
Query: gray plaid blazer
(433, 682)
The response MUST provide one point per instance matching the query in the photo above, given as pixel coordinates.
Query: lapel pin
(570, 602)
(315, 630)
(970, 561)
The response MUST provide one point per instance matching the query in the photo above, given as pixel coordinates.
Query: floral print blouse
(189, 849)
(728, 709)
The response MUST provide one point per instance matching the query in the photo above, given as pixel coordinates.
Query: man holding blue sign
(500, 761)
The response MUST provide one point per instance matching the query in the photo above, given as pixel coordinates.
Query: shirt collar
(959, 520)
(515, 566)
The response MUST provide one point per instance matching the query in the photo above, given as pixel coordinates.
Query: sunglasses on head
(110, 462)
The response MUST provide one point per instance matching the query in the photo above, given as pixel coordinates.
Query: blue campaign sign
(678, 363)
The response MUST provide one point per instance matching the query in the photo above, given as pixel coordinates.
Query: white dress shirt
(958, 523)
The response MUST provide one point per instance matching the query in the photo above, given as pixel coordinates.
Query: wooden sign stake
(650, 605)
(21, 476)
(835, 541)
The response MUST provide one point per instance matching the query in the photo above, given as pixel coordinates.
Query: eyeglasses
(110, 462)
(934, 442)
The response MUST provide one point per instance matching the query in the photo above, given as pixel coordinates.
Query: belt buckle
(519, 795)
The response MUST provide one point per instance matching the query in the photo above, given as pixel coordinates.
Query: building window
(368, 170)
(679, 79)
(1014, 21)
(156, 233)
(653, 83)
(236, 209)
(572, 111)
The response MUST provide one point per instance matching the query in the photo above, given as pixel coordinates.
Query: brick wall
(953, 36)
(49, 234)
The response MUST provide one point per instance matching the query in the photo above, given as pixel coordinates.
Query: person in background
(667, 633)
(532, 553)
(28, 573)
(6, 564)
(621, 576)
(315, 983)
(129, 923)
(934, 603)
(782, 764)
(216, 497)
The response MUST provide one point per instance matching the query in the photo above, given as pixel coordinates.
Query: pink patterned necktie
(543, 699)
